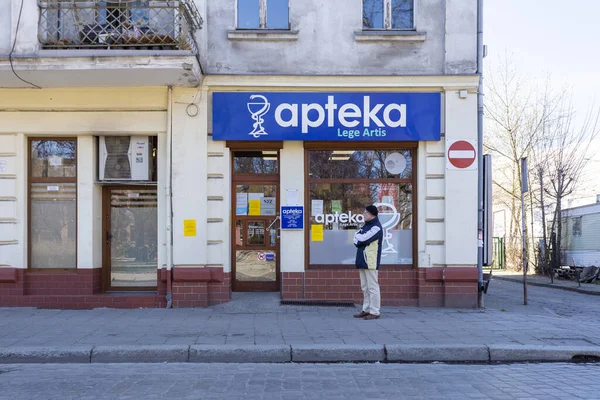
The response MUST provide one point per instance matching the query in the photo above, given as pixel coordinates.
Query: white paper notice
(241, 204)
(317, 207)
(53, 188)
(3, 164)
(268, 206)
(55, 161)
(291, 197)
(255, 196)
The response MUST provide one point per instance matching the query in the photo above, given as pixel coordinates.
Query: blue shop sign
(292, 217)
(326, 116)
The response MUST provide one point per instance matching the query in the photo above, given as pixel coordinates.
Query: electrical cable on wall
(10, 60)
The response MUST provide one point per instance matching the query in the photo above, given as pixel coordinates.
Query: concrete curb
(240, 354)
(548, 285)
(516, 353)
(432, 353)
(140, 354)
(45, 355)
(338, 353)
(394, 353)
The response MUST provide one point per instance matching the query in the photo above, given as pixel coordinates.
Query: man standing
(368, 257)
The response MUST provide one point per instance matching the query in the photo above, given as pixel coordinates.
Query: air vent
(125, 158)
(117, 158)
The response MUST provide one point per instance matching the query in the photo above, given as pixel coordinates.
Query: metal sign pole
(524, 189)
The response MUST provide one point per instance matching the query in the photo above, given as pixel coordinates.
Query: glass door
(256, 238)
(130, 228)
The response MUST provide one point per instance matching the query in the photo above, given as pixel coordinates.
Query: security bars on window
(118, 24)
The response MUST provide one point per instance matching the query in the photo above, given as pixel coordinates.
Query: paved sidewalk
(553, 320)
(541, 280)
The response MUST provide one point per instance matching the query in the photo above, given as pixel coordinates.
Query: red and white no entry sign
(462, 155)
(262, 256)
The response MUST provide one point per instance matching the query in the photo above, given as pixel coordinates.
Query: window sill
(389, 36)
(262, 34)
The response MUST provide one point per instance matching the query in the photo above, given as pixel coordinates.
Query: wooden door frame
(258, 286)
(106, 249)
(270, 179)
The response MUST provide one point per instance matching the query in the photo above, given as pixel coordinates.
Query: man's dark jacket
(368, 245)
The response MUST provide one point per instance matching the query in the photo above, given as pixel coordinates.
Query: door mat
(347, 304)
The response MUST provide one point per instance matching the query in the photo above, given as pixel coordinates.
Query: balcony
(158, 26)
(99, 43)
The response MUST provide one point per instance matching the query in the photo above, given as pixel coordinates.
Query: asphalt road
(299, 381)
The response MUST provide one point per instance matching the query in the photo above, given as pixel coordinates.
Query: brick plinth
(73, 289)
(425, 287)
(200, 287)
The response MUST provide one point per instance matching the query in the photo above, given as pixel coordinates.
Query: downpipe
(169, 194)
(480, 153)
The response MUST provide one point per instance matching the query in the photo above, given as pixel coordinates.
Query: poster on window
(317, 233)
(254, 207)
(241, 204)
(336, 206)
(316, 207)
(268, 206)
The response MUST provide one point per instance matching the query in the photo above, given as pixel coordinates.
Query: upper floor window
(114, 14)
(388, 14)
(263, 14)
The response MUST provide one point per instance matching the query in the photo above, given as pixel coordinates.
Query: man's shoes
(371, 316)
(362, 314)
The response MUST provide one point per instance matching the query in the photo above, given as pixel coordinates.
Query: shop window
(388, 14)
(261, 14)
(52, 203)
(341, 184)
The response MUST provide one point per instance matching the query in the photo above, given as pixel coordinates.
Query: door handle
(273, 223)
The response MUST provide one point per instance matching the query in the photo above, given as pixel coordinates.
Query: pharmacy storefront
(158, 197)
(303, 167)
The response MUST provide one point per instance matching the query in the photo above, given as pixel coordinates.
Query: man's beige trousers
(370, 288)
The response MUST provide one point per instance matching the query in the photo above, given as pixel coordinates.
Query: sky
(555, 37)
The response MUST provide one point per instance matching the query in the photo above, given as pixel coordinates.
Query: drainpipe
(169, 199)
(480, 150)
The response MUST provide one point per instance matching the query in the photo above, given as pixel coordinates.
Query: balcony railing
(118, 24)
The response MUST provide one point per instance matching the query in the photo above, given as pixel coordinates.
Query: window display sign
(336, 206)
(316, 207)
(292, 217)
(326, 116)
(317, 233)
(241, 204)
(254, 207)
(268, 205)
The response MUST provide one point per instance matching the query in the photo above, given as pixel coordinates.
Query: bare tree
(562, 155)
(516, 113)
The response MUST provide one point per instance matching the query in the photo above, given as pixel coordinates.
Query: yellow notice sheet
(189, 227)
(316, 233)
(254, 207)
